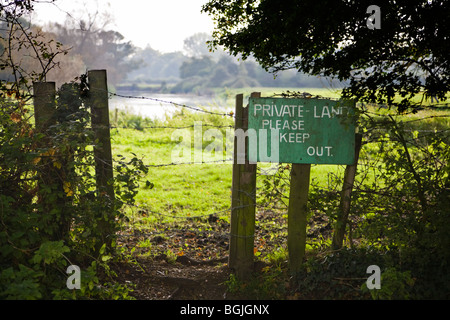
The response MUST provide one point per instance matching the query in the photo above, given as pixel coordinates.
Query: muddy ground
(188, 259)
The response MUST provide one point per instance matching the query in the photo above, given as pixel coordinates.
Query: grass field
(202, 189)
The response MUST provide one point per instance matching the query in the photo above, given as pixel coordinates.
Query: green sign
(316, 131)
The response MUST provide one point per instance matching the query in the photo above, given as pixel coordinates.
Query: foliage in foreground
(51, 212)
(389, 225)
(399, 209)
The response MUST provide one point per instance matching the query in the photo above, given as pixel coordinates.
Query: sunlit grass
(178, 190)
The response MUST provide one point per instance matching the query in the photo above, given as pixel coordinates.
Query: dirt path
(160, 279)
(184, 260)
(188, 260)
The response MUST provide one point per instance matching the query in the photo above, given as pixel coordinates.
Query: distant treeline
(90, 44)
(199, 70)
(201, 74)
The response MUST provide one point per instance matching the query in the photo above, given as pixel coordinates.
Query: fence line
(374, 139)
(171, 127)
(187, 163)
(230, 114)
(304, 95)
(243, 200)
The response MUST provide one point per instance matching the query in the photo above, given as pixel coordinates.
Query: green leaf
(106, 258)
(50, 252)
(103, 248)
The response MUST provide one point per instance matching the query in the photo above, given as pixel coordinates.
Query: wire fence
(265, 206)
(196, 109)
(231, 114)
(251, 198)
(189, 216)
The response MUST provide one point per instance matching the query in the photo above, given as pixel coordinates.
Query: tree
(400, 64)
(98, 46)
(196, 67)
(156, 67)
(22, 56)
(196, 45)
(27, 53)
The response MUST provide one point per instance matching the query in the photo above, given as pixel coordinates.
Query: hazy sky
(163, 24)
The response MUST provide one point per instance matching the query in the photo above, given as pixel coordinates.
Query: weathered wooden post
(51, 172)
(297, 215)
(100, 124)
(44, 104)
(346, 193)
(98, 102)
(243, 199)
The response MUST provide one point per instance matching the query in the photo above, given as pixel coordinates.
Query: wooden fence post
(297, 215)
(243, 201)
(98, 101)
(346, 193)
(44, 104)
(50, 175)
(100, 124)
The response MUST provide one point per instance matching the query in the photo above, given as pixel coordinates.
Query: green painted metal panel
(315, 131)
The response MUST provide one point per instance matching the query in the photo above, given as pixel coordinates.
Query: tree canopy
(403, 62)
(98, 46)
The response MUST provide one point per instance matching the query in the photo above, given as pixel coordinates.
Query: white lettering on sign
(292, 137)
(326, 112)
(271, 110)
(283, 124)
(319, 151)
(294, 111)
(308, 130)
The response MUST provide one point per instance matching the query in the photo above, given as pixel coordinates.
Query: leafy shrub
(340, 274)
(407, 206)
(399, 204)
(51, 214)
(395, 285)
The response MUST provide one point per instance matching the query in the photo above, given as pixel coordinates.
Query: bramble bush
(50, 210)
(406, 206)
(399, 208)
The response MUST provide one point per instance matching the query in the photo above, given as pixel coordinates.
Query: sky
(162, 24)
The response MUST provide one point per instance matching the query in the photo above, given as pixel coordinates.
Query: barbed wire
(187, 163)
(197, 109)
(395, 114)
(172, 127)
(231, 113)
(429, 117)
